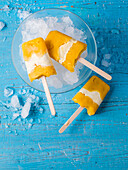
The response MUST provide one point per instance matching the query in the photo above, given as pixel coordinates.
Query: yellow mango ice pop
(64, 49)
(92, 94)
(37, 60)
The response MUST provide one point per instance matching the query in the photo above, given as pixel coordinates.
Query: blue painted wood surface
(93, 142)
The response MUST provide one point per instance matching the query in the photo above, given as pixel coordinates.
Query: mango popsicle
(90, 97)
(39, 64)
(92, 94)
(64, 49)
(37, 60)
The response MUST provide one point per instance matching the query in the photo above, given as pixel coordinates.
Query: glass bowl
(87, 37)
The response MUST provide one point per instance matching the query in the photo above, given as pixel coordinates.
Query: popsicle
(90, 97)
(39, 64)
(66, 50)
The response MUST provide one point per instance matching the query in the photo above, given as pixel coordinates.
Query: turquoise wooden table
(93, 142)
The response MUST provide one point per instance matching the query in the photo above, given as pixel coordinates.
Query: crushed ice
(70, 77)
(40, 27)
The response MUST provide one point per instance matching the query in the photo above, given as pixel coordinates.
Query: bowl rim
(67, 12)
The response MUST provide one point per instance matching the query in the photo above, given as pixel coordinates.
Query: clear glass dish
(78, 23)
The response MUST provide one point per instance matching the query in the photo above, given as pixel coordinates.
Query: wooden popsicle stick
(69, 121)
(94, 68)
(48, 95)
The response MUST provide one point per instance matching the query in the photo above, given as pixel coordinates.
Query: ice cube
(105, 63)
(51, 21)
(2, 25)
(8, 92)
(26, 109)
(15, 116)
(15, 102)
(31, 120)
(70, 78)
(30, 125)
(67, 20)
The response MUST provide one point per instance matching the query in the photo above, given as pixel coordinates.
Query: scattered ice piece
(15, 116)
(115, 31)
(26, 109)
(15, 102)
(70, 78)
(23, 14)
(28, 91)
(55, 82)
(22, 91)
(39, 121)
(6, 126)
(35, 91)
(105, 63)
(8, 92)
(9, 131)
(19, 119)
(31, 120)
(2, 25)
(29, 99)
(41, 110)
(5, 116)
(6, 8)
(107, 56)
(6, 105)
(32, 89)
(37, 99)
(16, 133)
(30, 125)
(4, 39)
(32, 97)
